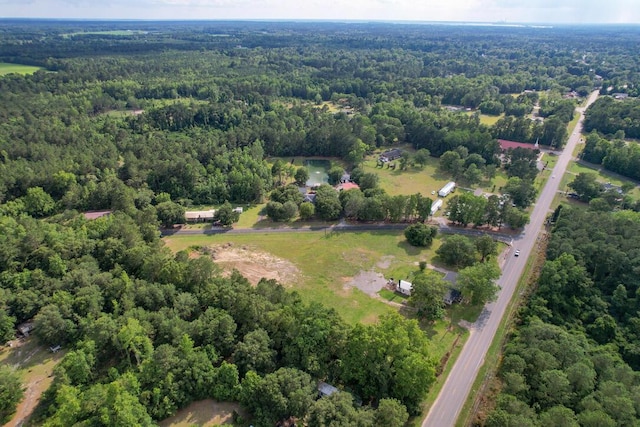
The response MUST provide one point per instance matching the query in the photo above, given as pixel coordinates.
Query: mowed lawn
(6, 68)
(409, 181)
(426, 180)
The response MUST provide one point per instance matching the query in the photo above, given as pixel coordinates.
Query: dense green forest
(574, 360)
(177, 114)
(215, 98)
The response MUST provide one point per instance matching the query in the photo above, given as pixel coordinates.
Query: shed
(404, 287)
(25, 328)
(325, 389)
(239, 209)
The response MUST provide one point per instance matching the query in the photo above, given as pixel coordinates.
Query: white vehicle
(516, 253)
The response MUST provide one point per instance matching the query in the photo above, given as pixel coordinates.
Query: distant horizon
(321, 20)
(525, 12)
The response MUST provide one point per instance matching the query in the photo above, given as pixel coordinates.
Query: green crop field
(6, 68)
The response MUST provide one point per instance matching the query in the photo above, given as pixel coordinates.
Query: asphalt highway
(446, 409)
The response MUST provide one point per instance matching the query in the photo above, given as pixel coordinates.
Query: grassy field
(410, 181)
(392, 296)
(426, 181)
(327, 262)
(490, 120)
(602, 176)
(6, 68)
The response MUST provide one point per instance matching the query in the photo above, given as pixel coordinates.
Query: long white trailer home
(447, 189)
(435, 206)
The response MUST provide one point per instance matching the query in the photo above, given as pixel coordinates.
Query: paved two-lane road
(457, 386)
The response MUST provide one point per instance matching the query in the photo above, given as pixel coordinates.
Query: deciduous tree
(420, 234)
(427, 295)
(477, 282)
(11, 392)
(458, 251)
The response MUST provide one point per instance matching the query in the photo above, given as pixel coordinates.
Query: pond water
(318, 171)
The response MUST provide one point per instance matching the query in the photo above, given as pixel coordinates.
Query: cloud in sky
(540, 11)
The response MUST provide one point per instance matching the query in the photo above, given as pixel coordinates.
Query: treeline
(574, 359)
(615, 155)
(149, 331)
(609, 116)
(557, 113)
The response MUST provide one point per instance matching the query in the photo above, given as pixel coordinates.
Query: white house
(435, 206)
(447, 189)
(404, 287)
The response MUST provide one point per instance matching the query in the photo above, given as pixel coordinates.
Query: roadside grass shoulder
(487, 374)
(460, 336)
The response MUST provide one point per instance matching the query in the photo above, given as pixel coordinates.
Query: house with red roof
(347, 186)
(506, 145)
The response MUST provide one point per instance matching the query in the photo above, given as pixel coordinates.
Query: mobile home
(447, 189)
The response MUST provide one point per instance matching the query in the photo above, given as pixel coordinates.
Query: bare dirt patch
(254, 264)
(385, 261)
(205, 413)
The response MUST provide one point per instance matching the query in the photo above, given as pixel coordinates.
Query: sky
(511, 11)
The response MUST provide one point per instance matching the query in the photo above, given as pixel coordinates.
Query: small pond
(318, 171)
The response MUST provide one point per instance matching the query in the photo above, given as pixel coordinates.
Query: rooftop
(506, 145)
(347, 186)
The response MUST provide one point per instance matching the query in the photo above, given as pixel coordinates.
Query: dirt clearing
(254, 264)
(35, 364)
(205, 413)
(369, 282)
